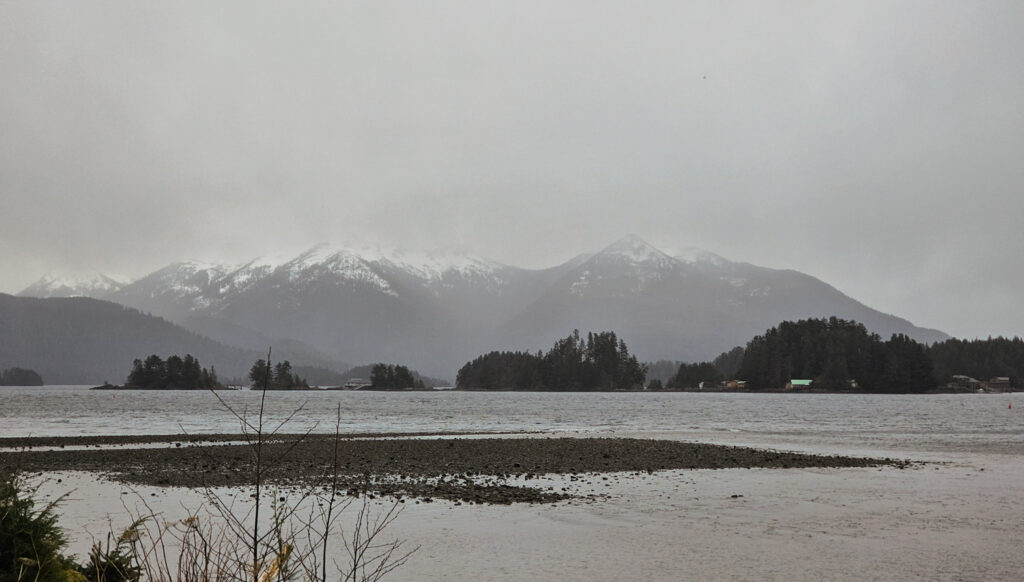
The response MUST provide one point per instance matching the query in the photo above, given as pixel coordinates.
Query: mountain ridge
(436, 310)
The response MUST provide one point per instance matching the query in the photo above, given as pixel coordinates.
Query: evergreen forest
(392, 377)
(601, 361)
(980, 359)
(841, 355)
(175, 373)
(277, 377)
(838, 355)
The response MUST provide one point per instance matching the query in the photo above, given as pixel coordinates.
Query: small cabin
(961, 382)
(795, 384)
(999, 384)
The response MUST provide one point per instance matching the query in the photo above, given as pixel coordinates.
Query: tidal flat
(954, 517)
(478, 470)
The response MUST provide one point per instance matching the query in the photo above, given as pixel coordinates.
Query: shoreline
(29, 442)
(958, 518)
(122, 388)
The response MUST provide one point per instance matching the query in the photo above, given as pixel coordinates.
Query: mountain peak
(425, 264)
(635, 249)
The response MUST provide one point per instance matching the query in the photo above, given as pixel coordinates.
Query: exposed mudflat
(480, 470)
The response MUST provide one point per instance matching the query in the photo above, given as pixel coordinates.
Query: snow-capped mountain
(95, 286)
(244, 277)
(377, 267)
(683, 305)
(175, 290)
(436, 310)
(190, 287)
(627, 267)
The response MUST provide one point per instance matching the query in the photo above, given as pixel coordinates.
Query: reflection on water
(946, 422)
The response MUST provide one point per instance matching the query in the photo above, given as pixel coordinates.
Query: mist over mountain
(435, 311)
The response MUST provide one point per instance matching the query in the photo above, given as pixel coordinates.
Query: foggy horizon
(874, 146)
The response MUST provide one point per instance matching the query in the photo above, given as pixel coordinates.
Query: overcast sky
(877, 146)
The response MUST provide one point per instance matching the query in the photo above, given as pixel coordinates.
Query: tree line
(980, 359)
(841, 355)
(601, 361)
(394, 377)
(175, 372)
(837, 355)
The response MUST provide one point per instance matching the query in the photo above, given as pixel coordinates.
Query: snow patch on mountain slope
(697, 256)
(629, 259)
(191, 281)
(430, 265)
(439, 264)
(342, 265)
(737, 282)
(371, 264)
(633, 249)
(582, 283)
(249, 274)
(94, 286)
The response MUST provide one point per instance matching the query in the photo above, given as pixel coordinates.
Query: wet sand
(957, 517)
(600, 508)
(479, 470)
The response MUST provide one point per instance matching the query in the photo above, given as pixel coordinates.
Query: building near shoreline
(795, 384)
(999, 384)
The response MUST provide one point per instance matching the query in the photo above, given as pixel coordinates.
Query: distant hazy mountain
(96, 286)
(363, 304)
(435, 311)
(688, 307)
(87, 341)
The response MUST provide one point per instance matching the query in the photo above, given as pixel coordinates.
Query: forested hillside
(86, 341)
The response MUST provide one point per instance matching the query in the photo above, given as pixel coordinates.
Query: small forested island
(394, 377)
(20, 377)
(601, 362)
(277, 377)
(175, 373)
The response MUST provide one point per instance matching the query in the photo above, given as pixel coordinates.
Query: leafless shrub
(227, 540)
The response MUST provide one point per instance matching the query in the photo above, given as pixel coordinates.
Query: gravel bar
(470, 470)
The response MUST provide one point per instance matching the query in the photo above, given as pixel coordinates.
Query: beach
(955, 519)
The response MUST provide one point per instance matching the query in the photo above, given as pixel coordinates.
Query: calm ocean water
(864, 423)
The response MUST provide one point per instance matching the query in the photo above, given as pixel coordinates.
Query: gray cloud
(874, 145)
